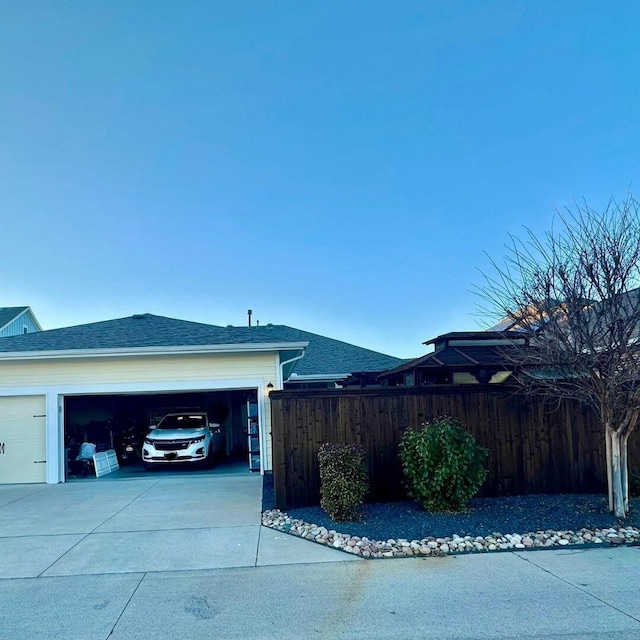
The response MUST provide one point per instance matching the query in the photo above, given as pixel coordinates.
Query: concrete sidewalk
(142, 525)
(540, 595)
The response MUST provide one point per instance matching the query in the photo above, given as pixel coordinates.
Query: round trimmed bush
(443, 465)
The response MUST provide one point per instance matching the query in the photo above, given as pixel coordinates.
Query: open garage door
(122, 421)
(22, 439)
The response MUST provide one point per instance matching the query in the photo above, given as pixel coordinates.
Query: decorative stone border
(431, 546)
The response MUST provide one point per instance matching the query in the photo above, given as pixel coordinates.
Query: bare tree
(574, 294)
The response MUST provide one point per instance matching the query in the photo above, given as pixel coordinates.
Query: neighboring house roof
(462, 350)
(362, 379)
(473, 336)
(8, 315)
(454, 358)
(323, 355)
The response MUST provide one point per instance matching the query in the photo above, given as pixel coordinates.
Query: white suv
(182, 437)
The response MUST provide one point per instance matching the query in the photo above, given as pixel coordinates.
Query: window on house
(436, 377)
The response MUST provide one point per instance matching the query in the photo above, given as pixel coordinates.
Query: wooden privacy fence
(532, 448)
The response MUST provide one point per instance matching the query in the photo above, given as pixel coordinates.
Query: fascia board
(153, 351)
(33, 317)
(294, 377)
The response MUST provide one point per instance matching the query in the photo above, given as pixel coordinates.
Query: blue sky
(340, 167)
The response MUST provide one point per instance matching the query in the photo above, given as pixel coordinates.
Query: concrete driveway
(177, 557)
(142, 525)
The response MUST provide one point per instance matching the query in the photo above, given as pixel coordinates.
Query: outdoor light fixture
(270, 386)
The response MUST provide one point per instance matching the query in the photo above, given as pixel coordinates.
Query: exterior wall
(16, 326)
(57, 378)
(146, 369)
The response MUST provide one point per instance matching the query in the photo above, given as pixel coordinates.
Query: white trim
(35, 320)
(261, 427)
(152, 351)
(135, 387)
(317, 377)
(54, 438)
(62, 470)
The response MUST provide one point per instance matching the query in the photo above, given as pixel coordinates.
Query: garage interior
(121, 421)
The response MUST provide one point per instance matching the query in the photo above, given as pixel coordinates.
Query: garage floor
(169, 523)
(226, 466)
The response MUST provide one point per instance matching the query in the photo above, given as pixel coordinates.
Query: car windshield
(182, 422)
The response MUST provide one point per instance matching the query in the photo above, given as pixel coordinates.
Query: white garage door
(22, 439)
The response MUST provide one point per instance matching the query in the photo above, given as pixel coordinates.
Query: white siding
(112, 370)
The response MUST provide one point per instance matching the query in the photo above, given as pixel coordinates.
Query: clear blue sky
(340, 167)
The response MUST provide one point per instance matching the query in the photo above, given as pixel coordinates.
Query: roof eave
(152, 351)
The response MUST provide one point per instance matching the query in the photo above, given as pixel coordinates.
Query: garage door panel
(22, 439)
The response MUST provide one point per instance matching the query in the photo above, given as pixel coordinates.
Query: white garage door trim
(55, 417)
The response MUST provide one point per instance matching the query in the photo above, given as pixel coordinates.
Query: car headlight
(149, 441)
(196, 440)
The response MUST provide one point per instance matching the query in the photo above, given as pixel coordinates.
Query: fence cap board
(440, 389)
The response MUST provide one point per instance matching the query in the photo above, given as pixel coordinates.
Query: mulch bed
(486, 516)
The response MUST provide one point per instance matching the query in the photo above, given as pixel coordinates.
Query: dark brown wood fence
(532, 448)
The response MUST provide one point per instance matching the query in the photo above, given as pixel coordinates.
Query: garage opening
(121, 422)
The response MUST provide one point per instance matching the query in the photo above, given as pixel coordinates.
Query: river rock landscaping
(491, 524)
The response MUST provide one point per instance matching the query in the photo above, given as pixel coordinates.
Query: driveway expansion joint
(579, 587)
(133, 593)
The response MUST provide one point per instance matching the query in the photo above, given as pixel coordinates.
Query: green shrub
(443, 466)
(344, 481)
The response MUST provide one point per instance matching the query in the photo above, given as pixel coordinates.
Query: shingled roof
(460, 350)
(7, 314)
(323, 355)
(459, 358)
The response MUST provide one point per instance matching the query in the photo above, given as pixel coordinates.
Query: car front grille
(171, 445)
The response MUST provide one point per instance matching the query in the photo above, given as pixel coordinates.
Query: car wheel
(146, 466)
(208, 462)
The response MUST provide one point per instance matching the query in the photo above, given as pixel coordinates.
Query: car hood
(177, 434)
